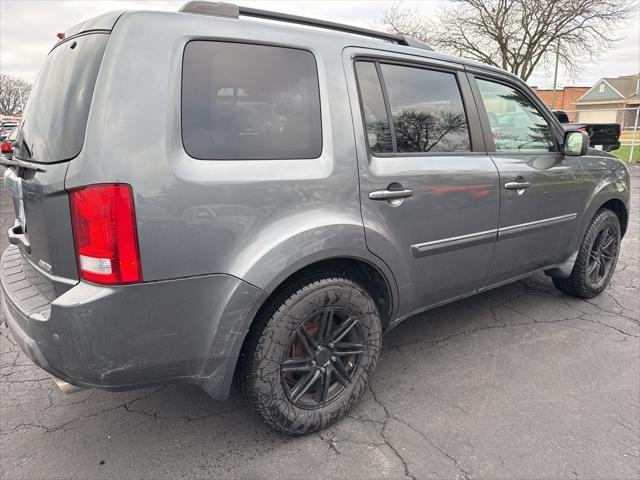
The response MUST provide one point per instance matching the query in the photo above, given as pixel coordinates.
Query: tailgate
(41, 232)
(52, 134)
(603, 134)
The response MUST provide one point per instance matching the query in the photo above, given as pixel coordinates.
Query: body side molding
(453, 243)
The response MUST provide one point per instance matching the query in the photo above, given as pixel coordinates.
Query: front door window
(516, 124)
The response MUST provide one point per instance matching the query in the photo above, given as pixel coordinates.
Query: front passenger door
(540, 187)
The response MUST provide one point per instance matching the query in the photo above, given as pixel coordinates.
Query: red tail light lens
(105, 234)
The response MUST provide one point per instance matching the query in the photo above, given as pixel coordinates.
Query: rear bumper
(135, 335)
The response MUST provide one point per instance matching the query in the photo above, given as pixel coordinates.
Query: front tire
(596, 259)
(311, 354)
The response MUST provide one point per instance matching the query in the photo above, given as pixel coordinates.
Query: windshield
(55, 119)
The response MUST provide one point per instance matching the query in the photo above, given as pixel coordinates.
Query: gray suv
(200, 197)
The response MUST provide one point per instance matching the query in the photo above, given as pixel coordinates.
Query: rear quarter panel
(258, 220)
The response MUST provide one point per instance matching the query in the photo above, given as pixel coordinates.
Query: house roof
(627, 85)
(624, 89)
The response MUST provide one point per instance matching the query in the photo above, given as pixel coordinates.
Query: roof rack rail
(229, 10)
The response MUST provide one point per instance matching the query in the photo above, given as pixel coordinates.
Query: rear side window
(425, 106)
(250, 102)
(427, 110)
(373, 108)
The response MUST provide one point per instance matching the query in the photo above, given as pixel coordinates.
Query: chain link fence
(629, 120)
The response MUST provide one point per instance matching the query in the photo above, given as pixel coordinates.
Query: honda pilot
(284, 192)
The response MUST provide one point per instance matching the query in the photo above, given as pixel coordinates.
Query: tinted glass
(55, 118)
(516, 124)
(428, 115)
(244, 101)
(375, 116)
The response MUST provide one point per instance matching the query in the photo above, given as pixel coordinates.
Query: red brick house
(566, 97)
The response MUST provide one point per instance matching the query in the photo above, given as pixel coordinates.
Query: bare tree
(406, 21)
(11, 90)
(516, 35)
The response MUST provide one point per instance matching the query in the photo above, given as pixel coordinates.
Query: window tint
(243, 101)
(427, 110)
(55, 118)
(516, 124)
(375, 114)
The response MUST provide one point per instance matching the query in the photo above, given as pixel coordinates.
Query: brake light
(105, 234)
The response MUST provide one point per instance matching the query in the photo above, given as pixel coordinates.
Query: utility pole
(555, 75)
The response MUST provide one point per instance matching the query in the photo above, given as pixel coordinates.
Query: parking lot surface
(518, 382)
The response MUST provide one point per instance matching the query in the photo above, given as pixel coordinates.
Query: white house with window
(603, 102)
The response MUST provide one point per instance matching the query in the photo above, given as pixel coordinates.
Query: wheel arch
(612, 192)
(365, 268)
(609, 199)
(618, 207)
(377, 280)
(373, 276)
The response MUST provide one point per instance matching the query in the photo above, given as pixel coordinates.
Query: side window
(375, 114)
(242, 102)
(427, 110)
(516, 124)
(425, 106)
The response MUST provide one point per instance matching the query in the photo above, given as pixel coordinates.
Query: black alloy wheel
(311, 352)
(602, 256)
(596, 259)
(321, 357)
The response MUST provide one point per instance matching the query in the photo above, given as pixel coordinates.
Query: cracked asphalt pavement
(518, 382)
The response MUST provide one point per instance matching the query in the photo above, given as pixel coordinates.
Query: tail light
(105, 234)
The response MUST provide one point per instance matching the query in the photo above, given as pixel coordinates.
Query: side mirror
(576, 143)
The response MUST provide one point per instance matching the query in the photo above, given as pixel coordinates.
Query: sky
(28, 30)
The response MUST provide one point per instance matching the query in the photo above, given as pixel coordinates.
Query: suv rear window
(55, 119)
(249, 102)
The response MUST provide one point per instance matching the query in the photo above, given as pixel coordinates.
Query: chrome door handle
(390, 194)
(516, 185)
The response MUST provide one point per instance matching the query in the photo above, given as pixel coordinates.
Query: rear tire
(597, 258)
(311, 353)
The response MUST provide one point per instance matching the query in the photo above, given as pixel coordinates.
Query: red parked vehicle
(6, 147)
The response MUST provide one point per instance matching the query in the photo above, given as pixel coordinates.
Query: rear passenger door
(429, 192)
(541, 189)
